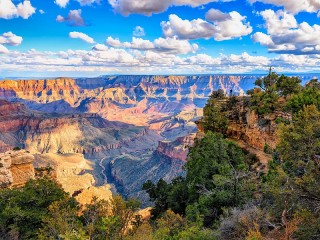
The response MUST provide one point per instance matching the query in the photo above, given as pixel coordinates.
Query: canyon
(127, 129)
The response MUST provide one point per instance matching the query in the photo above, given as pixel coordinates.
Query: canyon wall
(131, 128)
(16, 168)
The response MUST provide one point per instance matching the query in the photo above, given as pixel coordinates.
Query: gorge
(130, 128)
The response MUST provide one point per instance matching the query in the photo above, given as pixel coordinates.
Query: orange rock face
(16, 168)
(177, 149)
(43, 91)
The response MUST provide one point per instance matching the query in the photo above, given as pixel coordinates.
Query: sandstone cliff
(246, 125)
(75, 174)
(177, 149)
(57, 133)
(16, 168)
(115, 121)
(257, 134)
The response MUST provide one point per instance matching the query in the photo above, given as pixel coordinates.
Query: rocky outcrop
(256, 131)
(252, 132)
(16, 168)
(75, 174)
(177, 149)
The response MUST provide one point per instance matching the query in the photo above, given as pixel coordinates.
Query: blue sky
(92, 37)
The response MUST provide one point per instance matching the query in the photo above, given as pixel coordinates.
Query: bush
(243, 223)
(267, 149)
(16, 149)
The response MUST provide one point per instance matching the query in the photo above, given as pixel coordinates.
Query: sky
(52, 38)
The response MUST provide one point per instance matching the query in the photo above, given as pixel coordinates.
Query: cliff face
(16, 168)
(75, 174)
(118, 93)
(133, 128)
(256, 133)
(177, 149)
(42, 91)
(246, 125)
(73, 133)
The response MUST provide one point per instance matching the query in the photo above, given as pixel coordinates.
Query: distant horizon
(111, 75)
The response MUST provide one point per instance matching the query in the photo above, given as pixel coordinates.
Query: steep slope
(16, 168)
(57, 133)
(75, 174)
(133, 128)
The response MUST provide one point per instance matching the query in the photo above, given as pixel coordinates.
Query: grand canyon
(113, 131)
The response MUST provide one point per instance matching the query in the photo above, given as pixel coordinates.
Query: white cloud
(100, 47)
(73, 19)
(9, 10)
(173, 45)
(3, 49)
(41, 11)
(215, 15)
(285, 35)
(88, 2)
(139, 43)
(148, 7)
(168, 45)
(185, 29)
(61, 3)
(81, 36)
(112, 60)
(64, 3)
(138, 31)
(10, 39)
(113, 42)
(278, 22)
(294, 6)
(224, 26)
(25, 9)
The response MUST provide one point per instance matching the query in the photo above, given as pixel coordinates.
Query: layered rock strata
(16, 168)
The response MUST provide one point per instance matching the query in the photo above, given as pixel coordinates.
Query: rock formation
(75, 174)
(132, 128)
(177, 149)
(16, 168)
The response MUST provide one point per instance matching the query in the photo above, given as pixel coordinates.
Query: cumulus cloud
(61, 3)
(9, 10)
(147, 7)
(88, 2)
(168, 45)
(25, 9)
(294, 6)
(286, 35)
(81, 36)
(64, 3)
(41, 11)
(3, 49)
(11, 39)
(219, 25)
(139, 43)
(134, 61)
(73, 19)
(138, 31)
(100, 47)
(173, 45)
(113, 42)
(8, 38)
